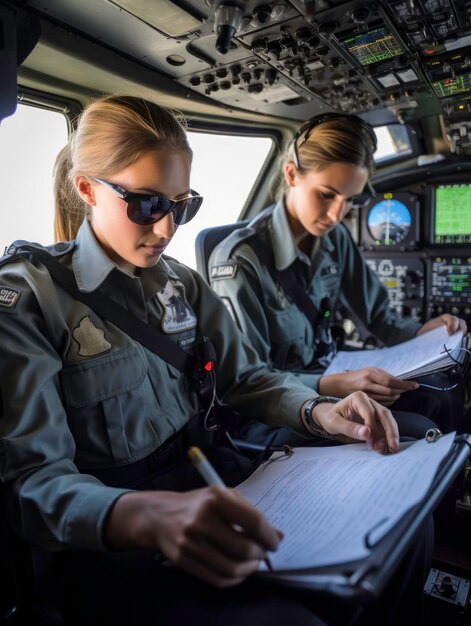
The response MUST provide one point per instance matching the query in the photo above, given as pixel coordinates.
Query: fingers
(359, 417)
(391, 383)
(384, 400)
(221, 575)
(452, 323)
(236, 510)
(390, 428)
(214, 533)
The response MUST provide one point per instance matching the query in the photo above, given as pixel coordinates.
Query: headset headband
(307, 127)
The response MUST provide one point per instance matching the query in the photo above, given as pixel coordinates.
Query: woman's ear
(85, 189)
(291, 173)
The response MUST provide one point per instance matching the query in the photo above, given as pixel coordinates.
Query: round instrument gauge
(389, 222)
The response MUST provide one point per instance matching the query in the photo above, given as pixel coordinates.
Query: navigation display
(452, 214)
(376, 45)
(452, 86)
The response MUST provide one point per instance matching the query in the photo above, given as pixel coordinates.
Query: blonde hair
(112, 133)
(338, 140)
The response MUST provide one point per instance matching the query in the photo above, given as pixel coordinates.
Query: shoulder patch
(8, 296)
(224, 270)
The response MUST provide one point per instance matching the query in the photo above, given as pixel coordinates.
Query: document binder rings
(364, 580)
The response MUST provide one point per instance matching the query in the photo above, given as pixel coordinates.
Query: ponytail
(69, 208)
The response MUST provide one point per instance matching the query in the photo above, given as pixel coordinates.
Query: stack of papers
(327, 501)
(425, 354)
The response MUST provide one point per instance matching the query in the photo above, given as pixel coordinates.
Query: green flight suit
(78, 394)
(275, 326)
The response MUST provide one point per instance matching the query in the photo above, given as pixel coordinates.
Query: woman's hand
(452, 323)
(359, 418)
(212, 533)
(377, 383)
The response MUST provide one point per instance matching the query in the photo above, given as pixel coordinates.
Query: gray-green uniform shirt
(275, 326)
(79, 394)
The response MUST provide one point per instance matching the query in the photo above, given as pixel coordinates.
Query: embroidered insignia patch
(8, 296)
(91, 339)
(224, 270)
(281, 297)
(330, 270)
(178, 314)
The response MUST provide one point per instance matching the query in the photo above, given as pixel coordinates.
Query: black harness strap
(115, 313)
(289, 283)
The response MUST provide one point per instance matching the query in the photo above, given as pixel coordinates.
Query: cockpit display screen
(452, 86)
(452, 214)
(373, 46)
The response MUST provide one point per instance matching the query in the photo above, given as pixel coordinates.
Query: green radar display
(452, 214)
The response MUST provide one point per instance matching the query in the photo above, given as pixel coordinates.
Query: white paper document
(421, 355)
(326, 500)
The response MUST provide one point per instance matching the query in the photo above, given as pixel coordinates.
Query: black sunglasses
(145, 209)
(363, 199)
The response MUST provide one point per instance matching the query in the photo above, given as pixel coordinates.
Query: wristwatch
(314, 429)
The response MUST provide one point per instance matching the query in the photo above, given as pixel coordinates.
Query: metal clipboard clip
(432, 435)
(284, 454)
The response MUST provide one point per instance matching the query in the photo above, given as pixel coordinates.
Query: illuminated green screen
(452, 86)
(378, 44)
(452, 214)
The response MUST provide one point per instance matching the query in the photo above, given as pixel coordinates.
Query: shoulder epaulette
(20, 249)
(240, 235)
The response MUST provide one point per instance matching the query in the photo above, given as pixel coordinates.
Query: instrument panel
(387, 61)
(425, 264)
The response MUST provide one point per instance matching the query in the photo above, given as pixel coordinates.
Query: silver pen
(211, 477)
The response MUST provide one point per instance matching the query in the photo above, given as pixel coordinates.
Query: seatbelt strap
(115, 313)
(287, 280)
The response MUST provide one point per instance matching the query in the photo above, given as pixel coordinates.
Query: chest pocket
(329, 287)
(290, 333)
(108, 408)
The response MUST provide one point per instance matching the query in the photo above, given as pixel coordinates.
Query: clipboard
(364, 580)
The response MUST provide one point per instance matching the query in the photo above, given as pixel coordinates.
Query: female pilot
(300, 243)
(93, 423)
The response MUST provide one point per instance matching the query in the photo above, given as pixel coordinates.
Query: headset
(363, 199)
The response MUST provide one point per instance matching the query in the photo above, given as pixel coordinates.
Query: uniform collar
(284, 246)
(283, 243)
(92, 266)
(90, 262)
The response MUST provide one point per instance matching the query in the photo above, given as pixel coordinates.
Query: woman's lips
(154, 250)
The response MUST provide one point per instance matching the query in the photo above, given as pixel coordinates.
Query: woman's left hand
(452, 322)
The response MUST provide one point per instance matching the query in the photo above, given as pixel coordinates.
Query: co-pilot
(324, 171)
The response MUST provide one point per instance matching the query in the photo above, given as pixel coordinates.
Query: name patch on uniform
(224, 270)
(9, 296)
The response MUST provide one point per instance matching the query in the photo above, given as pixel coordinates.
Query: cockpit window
(29, 143)
(224, 170)
(393, 142)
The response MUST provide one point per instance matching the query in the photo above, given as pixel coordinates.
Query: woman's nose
(337, 211)
(165, 228)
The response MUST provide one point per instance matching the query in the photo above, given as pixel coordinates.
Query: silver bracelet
(314, 429)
